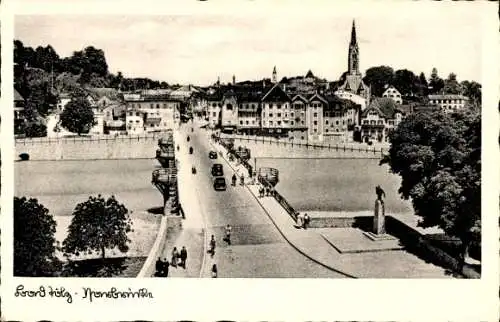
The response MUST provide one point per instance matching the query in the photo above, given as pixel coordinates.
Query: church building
(353, 85)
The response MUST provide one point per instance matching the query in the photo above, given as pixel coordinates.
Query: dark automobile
(217, 170)
(220, 183)
(212, 155)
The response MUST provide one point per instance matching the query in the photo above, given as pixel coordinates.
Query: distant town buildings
(392, 93)
(301, 107)
(448, 103)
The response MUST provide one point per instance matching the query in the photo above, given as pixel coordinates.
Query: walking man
(158, 267)
(184, 255)
(212, 246)
(228, 234)
(164, 270)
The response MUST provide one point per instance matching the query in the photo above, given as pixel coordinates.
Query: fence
(94, 138)
(279, 198)
(342, 147)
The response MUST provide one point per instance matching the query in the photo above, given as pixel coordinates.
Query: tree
(438, 157)
(422, 85)
(35, 129)
(473, 91)
(97, 225)
(378, 77)
(406, 82)
(78, 116)
(436, 84)
(34, 242)
(451, 86)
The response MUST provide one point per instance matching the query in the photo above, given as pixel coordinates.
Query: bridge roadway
(257, 248)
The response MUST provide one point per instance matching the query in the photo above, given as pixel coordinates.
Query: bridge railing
(279, 198)
(331, 147)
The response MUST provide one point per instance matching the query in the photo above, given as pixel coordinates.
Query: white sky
(198, 48)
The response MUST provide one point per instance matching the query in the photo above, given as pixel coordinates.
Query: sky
(197, 49)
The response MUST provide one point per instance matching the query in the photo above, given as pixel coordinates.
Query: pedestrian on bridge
(175, 257)
(214, 271)
(183, 257)
(212, 246)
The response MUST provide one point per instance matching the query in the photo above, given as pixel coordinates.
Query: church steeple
(353, 63)
(354, 41)
(275, 76)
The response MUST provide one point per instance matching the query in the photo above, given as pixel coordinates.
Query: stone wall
(89, 149)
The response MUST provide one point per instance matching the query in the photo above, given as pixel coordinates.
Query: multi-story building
(392, 93)
(229, 111)
(135, 121)
(314, 117)
(160, 111)
(449, 103)
(335, 119)
(276, 112)
(249, 111)
(214, 107)
(379, 119)
(298, 118)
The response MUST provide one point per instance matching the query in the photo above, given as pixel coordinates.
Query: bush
(24, 156)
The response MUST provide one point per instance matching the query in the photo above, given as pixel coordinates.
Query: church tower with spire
(353, 59)
(275, 76)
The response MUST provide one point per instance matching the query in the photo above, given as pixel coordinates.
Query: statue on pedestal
(379, 214)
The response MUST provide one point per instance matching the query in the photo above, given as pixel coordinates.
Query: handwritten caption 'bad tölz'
(87, 293)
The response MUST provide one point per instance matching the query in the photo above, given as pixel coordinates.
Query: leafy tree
(422, 85)
(451, 85)
(473, 91)
(97, 225)
(78, 116)
(438, 157)
(406, 82)
(436, 84)
(34, 242)
(378, 77)
(35, 129)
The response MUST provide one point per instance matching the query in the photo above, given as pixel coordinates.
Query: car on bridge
(217, 170)
(212, 155)
(220, 183)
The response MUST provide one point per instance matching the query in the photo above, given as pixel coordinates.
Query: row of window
(152, 105)
(448, 101)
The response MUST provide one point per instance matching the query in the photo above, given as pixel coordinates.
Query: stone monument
(379, 214)
(379, 232)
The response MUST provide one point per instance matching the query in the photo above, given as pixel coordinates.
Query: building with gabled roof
(378, 119)
(276, 111)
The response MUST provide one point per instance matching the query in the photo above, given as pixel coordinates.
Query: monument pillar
(379, 218)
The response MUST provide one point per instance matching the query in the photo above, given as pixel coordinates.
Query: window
(372, 122)
(214, 114)
(291, 114)
(151, 105)
(302, 122)
(270, 123)
(279, 114)
(326, 130)
(279, 106)
(164, 105)
(315, 114)
(336, 130)
(326, 122)
(270, 114)
(247, 122)
(214, 105)
(291, 122)
(157, 105)
(241, 122)
(337, 122)
(380, 122)
(315, 123)
(366, 122)
(229, 106)
(279, 122)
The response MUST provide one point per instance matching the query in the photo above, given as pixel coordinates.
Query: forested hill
(43, 69)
